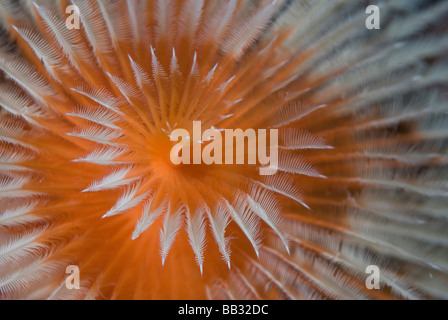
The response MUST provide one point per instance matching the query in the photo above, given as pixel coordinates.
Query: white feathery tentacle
(102, 135)
(171, 226)
(293, 163)
(218, 223)
(246, 220)
(247, 31)
(103, 117)
(293, 139)
(70, 42)
(13, 161)
(18, 215)
(128, 200)
(148, 218)
(113, 180)
(266, 206)
(104, 155)
(13, 187)
(101, 96)
(196, 227)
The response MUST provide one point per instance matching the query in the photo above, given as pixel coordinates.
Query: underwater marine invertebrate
(87, 179)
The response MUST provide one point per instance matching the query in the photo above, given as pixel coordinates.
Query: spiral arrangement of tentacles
(85, 171)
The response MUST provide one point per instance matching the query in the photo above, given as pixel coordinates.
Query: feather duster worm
(85, 171)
